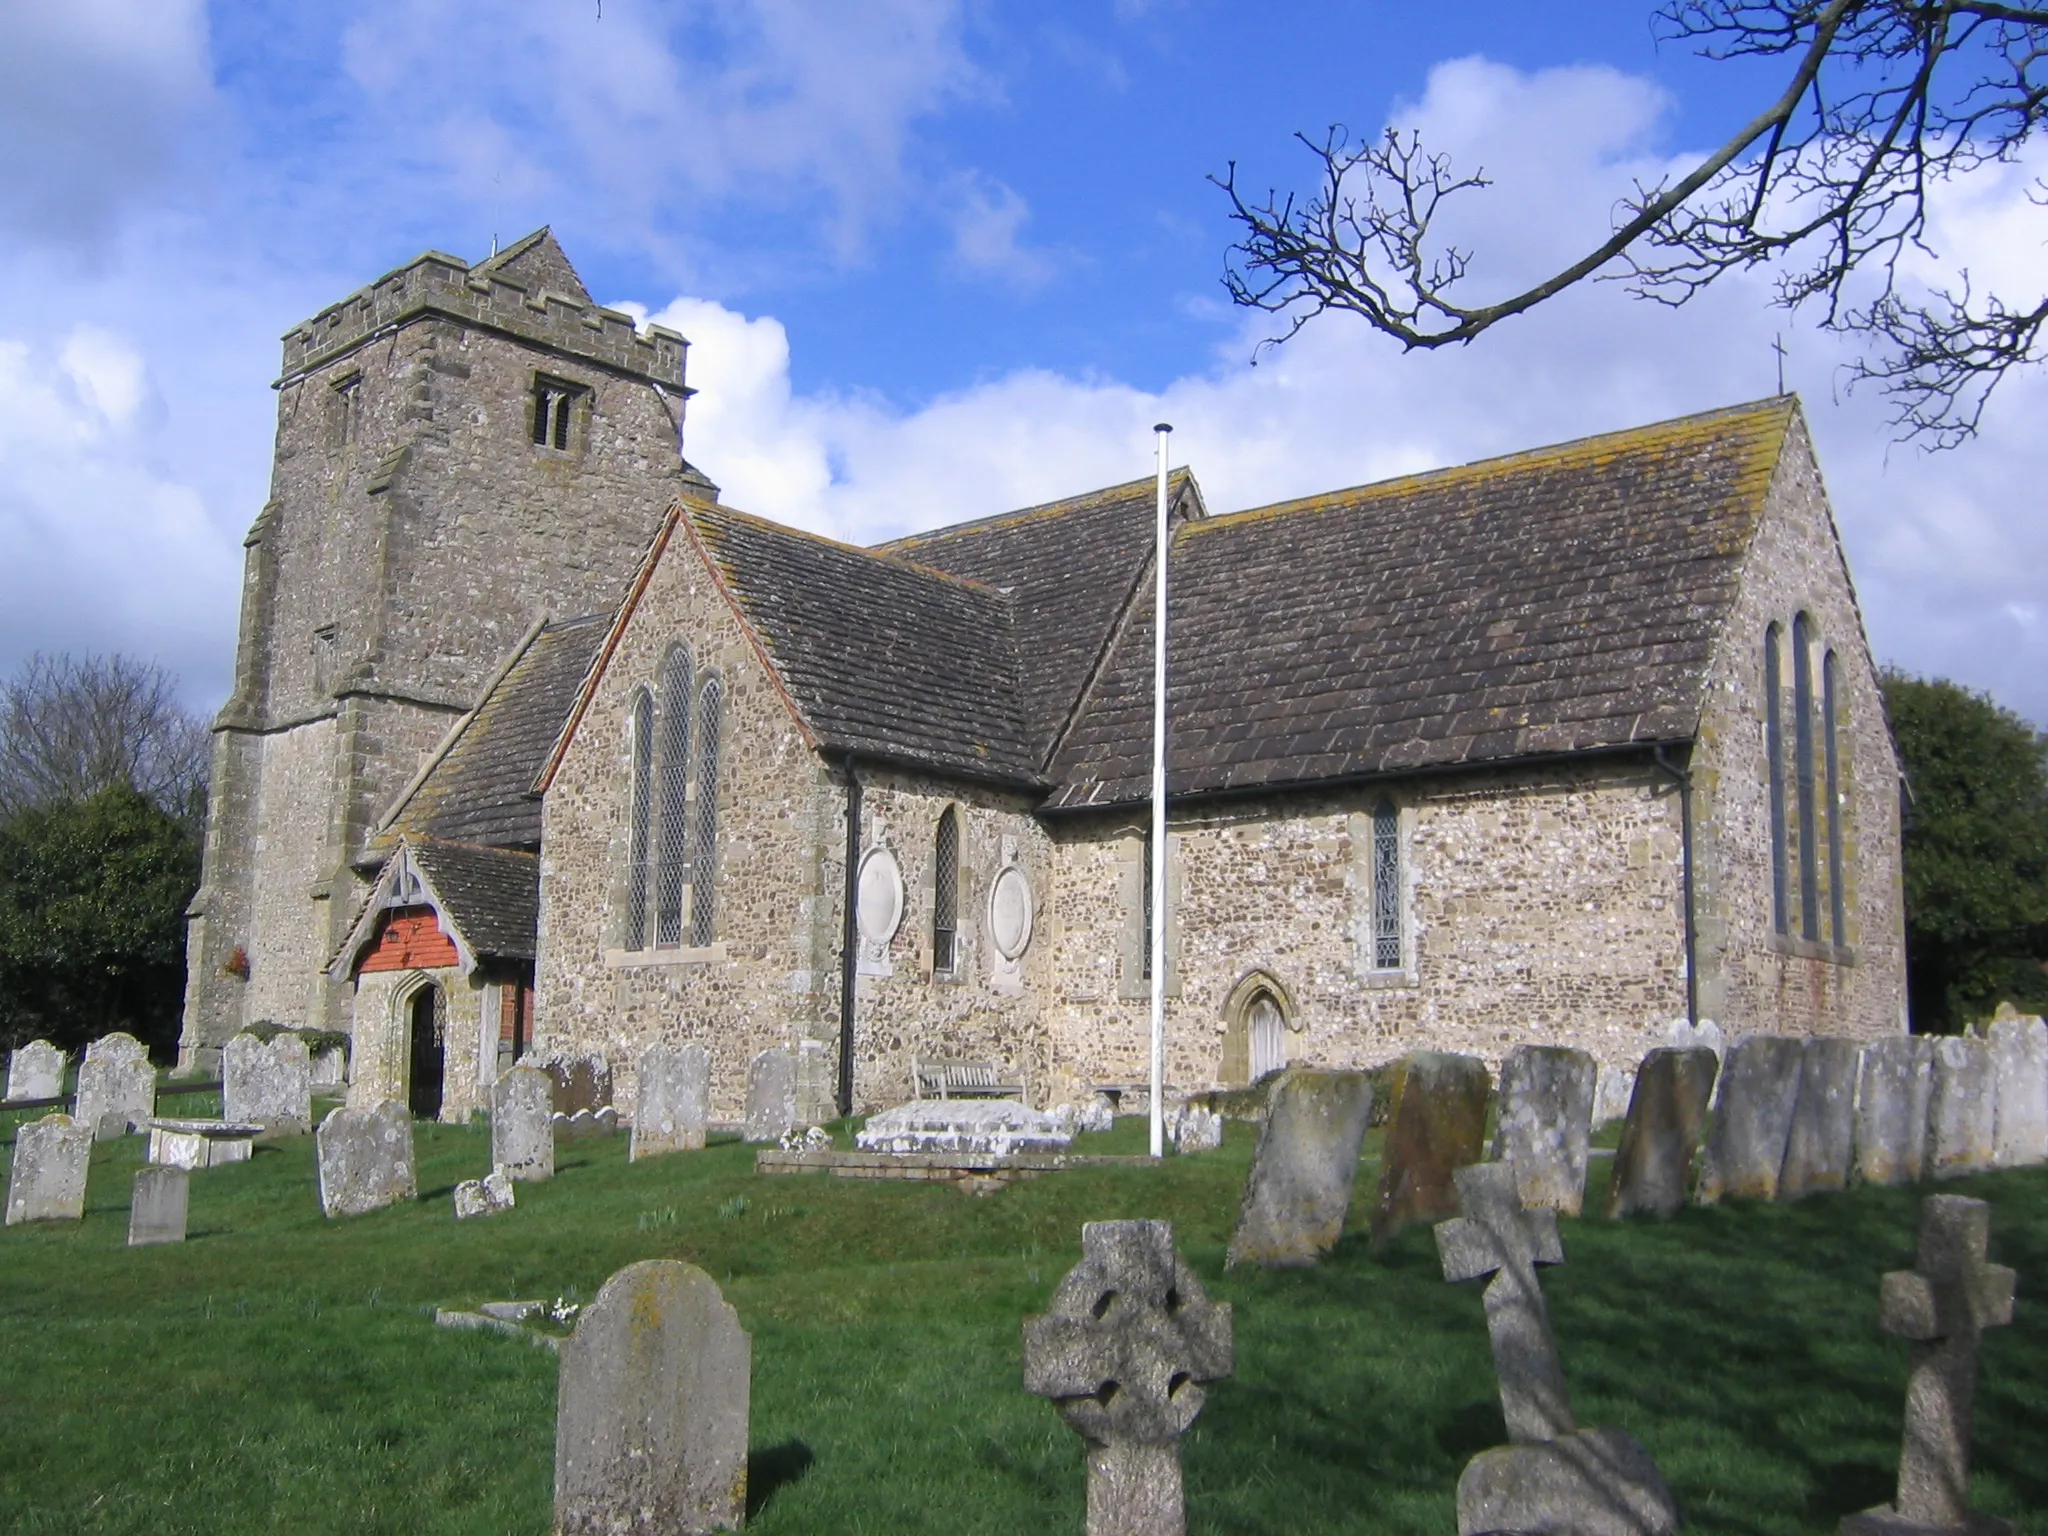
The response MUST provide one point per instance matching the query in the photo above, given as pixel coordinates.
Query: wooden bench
(962, 1080)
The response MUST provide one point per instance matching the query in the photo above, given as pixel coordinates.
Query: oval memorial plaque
(879, 908)
(1010, 912)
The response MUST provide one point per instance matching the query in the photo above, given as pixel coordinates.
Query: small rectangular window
(344, 405)
(554, 405)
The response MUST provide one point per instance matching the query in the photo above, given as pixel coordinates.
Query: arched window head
(946, 893)
(704, 814)
(1774, 758)
(639, 810)
(1386, 887)
(1806, 791)
(672, 855)
(1830, 705)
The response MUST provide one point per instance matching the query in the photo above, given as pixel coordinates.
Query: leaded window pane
(1145, 935)
(1838, 899)
(946, 892)
(1774, 754)
(1386, 889)
(704, 815)
(672, 856)
(1803, 769)
(641, 730)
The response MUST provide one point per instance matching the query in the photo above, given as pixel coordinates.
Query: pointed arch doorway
(1256, 1019)
(426, 1052)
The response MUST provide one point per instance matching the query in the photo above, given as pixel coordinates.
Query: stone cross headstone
(1124, 1351)
(1962, 1108)
(771, 1096)
(116, 1086)
(671, 1100)
(270, 1085)
(366, 1159)
(46, 1181)
(1553, 1477)
(485, 1196)
(1891, 1109)
(522, 1128)
(651, 1412)
(1299, 1189)
(2019, 1073)
(156, 1210)
(1943, 1304)
(1752, 1119)
(35, 1071)
(1821, 1144)
(1667, 1114)
(1545, 1127)
(1438, 1126)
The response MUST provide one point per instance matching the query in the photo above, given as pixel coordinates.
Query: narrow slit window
(1838, 899)
(1803, 770)
(640, 731)
(1145, 910)
(552, 406)
(672, 851)
(946, 893)
(1386, 887)
(1774, 755)
(704, 815)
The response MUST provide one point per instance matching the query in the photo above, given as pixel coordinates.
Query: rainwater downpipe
(1683, 778)
(849, 941)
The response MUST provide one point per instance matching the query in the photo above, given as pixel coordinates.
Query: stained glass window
(704, 818)
(672, 851)
(946, 892)
(1386, 888)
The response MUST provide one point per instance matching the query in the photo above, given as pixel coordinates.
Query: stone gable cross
(1497, 1237)
(1942, 1305)
(1123, 1352)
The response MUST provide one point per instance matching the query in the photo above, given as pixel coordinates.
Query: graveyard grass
(279, 1372)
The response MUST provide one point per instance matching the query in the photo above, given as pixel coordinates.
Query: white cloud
(988, 219)
(106, 371)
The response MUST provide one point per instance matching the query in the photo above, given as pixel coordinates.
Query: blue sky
(936, 259)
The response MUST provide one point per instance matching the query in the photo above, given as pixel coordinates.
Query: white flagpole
(1157, 937)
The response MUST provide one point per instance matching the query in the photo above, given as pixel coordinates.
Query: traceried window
(946, 893)
(640, 749)
(1807, 796)
(704, 814)
(672, 768)
(1774, 754)
(1386, 887)
(554, 406)
(1830, 696)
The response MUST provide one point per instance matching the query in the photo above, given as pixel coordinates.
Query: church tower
(461, 452)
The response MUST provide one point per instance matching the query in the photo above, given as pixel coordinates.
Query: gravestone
(485, 1196)
(1545, 1126)
(1891, 1109)
(1438, 1126)
(2019, 1072)
(771, 1096)
(366, 1159)
(330, 1067)
(651, 1412)
(1611, 1095)
(1553, 1477)
(1124, 1351)
(522, 1133)
(46, 1181)
(270, 1085)
(1752, 1119)
(816, 1083)
(1303, 1167)
(156, 1209)
(999, 1127)
(580, 1082)
(1196, 1129)
(671, 1100)
(35, 1071)
(116, 1086)
(1962, 1108)
(1821, 1144)
(1683, 1035)
(1943, 1305)
(1667, 1114)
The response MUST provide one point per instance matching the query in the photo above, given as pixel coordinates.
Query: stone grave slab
(1544, 1130)
(366, 1159)
(2019, 1074)
(671, 1100)
(35, 1071)
(1821, 1145)
(485, 1196)
(1667, 1115)
(46, 1181)
(1124, 1351)
(270, 1085)
(1438, 1126)
(198, 1144)
(116, 1086)
(1303, 1167)
(1752, 1119)
(1891, 1109)
(771, 1096)
(1001, 1127)
(580, 1082)
(522, 1131)
(158, 1206)
(1962, 1108)
(651, 1412)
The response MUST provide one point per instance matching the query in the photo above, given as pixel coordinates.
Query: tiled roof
(491, 894)
(882, 657)
(1556, 601)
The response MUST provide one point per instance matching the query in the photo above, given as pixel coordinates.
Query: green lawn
(282, 1373)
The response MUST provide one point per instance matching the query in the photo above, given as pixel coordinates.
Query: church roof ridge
(1177, 480)
(866, 551)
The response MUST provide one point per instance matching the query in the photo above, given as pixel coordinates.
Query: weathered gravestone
(485, 1196)
(116, 1086)
(35, 1071)
(1545, 1126)
(522, 1130)
(1942, 1305)
(1299, 1190)
(1752, 1119)
(1438, 1126)
(1196, 1129)
(771, 1096)
(366, 1160)
(651, 1413)
(270, 1085)
(1962, 1108)
(1611, 1094)
(580, 1082)
(1891, 1109)
(1667, 1114)
(1822, 1141)
(46, 1181)
(2019, 1072)
(1123, 1352)
(156, 1209)
(816, 1085)
(1553, 1477)
(671, 1099)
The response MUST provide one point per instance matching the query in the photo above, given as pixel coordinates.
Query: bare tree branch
(70, 727)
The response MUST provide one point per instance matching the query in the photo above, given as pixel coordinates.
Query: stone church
(538, 749)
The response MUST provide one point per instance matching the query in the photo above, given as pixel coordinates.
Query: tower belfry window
(553, 408)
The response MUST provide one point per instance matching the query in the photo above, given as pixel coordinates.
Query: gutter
(1683, 778)
(849, 941)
